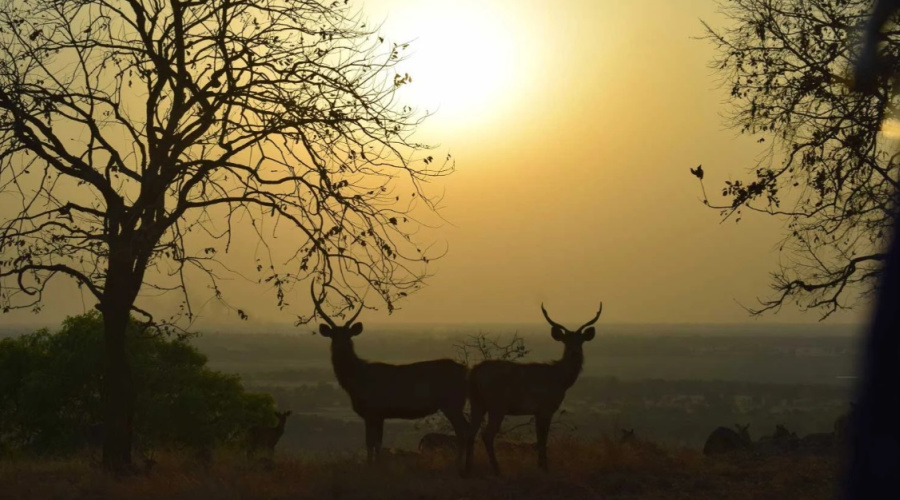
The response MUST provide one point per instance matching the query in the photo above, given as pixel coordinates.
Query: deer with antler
(501, 388)
(380, 391)
(264, 438)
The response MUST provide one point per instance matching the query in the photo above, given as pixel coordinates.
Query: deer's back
(723, 440)
(437, 441)
(516, 388)
(817, 442)
(262, 437)
(412, 390)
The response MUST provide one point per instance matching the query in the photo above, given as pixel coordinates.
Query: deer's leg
(542, 428)
(477, 416)
(379, 435)
(371, 432)
(495, 418)
(461, 428)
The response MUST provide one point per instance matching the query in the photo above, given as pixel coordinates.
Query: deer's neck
(279, 429)
(347, 365)
(569, 367)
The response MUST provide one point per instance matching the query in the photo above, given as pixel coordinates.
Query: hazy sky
(573, 125)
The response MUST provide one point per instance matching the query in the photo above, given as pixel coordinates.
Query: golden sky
(573, 125)
(572, 184)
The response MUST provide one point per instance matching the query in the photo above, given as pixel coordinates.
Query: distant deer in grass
(842, 425)
(725, 440)
(379, 391)
(436, 441)
(781, 441)
(818, 442)
(642, 447)
(501, 388)
(511, 447)
(260, 437)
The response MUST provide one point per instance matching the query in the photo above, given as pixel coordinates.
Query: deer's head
(781, 432)
(743, 431)
(333, 331)
(569, 337)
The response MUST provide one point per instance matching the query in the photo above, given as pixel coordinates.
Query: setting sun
(469, 61)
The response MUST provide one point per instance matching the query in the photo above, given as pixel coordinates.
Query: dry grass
(579, 470)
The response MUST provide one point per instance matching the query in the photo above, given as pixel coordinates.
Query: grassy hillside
(579, 470)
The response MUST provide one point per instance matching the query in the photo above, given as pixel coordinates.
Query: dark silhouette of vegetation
(380, 391)
(501, 387)
(50, 392)
(481, 347)
(874, 441)
(725, 440)
(870, 66)
(830, 171)
(137, 137)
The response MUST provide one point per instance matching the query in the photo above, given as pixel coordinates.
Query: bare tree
(477, 348)
(830, 171)
(137, 135)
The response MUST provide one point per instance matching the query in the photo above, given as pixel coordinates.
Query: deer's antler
(318, 304)
(350, 321)
(591, 322)
(552, 323)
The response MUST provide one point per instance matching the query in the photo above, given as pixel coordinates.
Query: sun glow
(890, 128)
(468, 61)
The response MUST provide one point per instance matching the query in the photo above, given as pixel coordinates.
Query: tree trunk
(118, 390)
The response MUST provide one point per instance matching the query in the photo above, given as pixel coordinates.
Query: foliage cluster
(50, 391)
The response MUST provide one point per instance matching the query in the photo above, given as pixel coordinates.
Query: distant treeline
(302, 359)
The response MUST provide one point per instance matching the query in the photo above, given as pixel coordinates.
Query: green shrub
(50, 391)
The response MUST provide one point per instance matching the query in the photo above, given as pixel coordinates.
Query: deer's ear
(588, 334)
(356, 329)
(325, 330)
(558, 333)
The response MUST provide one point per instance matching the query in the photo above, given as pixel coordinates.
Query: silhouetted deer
(379, 391)
(435, 441)
(260, 437)
(780, 441)
(725, 440)
(501, 388)
(642, 447)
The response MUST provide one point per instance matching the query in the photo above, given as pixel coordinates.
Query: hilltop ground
(579, 470)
